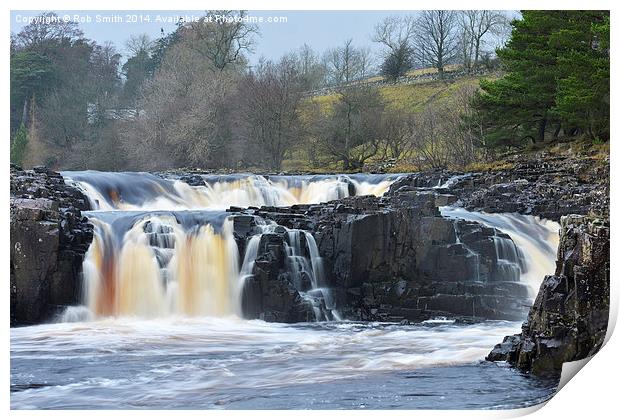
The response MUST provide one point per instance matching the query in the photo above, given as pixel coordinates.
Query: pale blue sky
(319, 29)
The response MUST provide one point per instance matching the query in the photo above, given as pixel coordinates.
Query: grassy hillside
(412, 98)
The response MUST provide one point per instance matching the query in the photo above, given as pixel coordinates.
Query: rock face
(391, 259)
(48, 240)
(568, 320)
(270, 293)
(544, 185)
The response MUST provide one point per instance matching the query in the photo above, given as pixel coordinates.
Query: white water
(536, 238)
(141, 362)
(161, 247)
(138, 191)
(158, 328)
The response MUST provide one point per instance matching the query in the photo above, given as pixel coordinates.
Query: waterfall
(163, 245)
(304, 265)
(151, 265)
(318, 296)
(138, 190)
(529, 254)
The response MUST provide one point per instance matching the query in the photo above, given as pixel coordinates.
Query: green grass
(412, 98)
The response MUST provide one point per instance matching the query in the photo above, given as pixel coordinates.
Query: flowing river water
(160, 324)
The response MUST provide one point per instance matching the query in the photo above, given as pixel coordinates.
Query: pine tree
(557, 75)
(582, 97)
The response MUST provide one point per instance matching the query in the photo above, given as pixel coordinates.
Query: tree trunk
(542, 126)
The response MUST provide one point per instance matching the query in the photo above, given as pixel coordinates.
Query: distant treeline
(190, 98)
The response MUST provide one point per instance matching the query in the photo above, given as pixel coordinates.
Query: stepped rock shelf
(404, 248)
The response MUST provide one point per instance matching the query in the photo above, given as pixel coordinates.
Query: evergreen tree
(397, 63)
(557, 75)
(31, 73)
(582, 98)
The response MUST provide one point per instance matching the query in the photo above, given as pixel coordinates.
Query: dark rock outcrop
(545, 185)
(568, 320)
(269, 293)
(49, 237)
(395, 258)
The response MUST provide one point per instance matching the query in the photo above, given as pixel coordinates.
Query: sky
(319, 29)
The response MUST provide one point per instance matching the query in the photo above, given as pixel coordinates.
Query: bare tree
(222, 36)
(437, 38)
(396, 34)
(183, 113)
(350, 130)
(311, 70)
(476, 26)
(137, 44)
(269, 101)
(347, 63)
(397, 128)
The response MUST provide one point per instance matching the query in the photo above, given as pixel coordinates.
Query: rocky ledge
(393, 258)
(568, 320)
(541, 184)
(49, 237)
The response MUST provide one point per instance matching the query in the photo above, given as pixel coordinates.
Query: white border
(591, 394)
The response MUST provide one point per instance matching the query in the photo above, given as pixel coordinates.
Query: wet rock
(397, 257)
(269, 293)
(544, 184)
(49, 237)
(568, 320)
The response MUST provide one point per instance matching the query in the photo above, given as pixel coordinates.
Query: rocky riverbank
(568, 320)
(49, 237)
(543, 184)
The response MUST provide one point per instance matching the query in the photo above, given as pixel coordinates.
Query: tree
(138, 67)
(476, 25)
(31, 74)
(311, 71)
(47, 32)
(437, 39)
(222, 36)
(350, 129)
(270, 97)
(396, 34)
(556, 76)
(18, 145)
(582, 99)
(185, 108)
(136, 72)
(347, 63)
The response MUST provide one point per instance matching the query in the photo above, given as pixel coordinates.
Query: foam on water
(537, 239)
(175, 356)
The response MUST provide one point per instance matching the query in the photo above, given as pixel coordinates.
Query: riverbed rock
(269, 292)
(396, 257)
(544, 184)
(568, 320)
(48, 240)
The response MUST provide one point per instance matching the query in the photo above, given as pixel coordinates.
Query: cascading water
(163, 247)
(140, 190)
(529, 255)
(155, 265)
